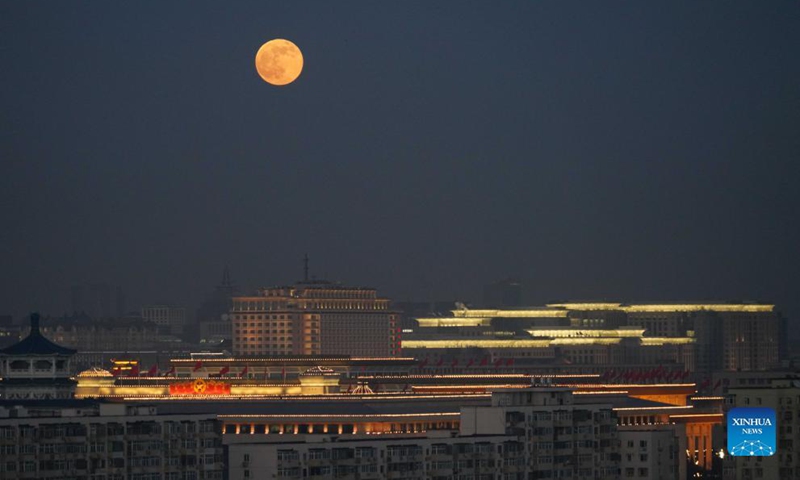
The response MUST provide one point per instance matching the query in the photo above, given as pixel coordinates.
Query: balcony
(318, 462)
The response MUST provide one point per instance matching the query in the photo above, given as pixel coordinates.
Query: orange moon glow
(279, 62)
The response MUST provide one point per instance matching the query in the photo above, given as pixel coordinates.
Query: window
(629, 472)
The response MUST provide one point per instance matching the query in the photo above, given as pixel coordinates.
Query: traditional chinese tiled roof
(36, 343)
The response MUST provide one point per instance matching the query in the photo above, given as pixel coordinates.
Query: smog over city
(432, 221)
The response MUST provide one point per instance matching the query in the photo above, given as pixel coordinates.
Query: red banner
(200, 386)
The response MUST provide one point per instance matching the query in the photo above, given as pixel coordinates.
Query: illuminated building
(783, 396)
(73, 439)
(410, 311)
(35, 368)
(246, 377)
(272, 405)
(693, 426)
(519, 435)
(734, 337)
(600, 336)
(314, 318)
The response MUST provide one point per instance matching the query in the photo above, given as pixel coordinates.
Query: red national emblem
(200, 386)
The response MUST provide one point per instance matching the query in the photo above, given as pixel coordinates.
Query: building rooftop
(36, 343)
(297, 407)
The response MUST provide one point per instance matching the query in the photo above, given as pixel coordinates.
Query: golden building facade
(314, 318)
(696, 337)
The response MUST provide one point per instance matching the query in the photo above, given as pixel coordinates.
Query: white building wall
(650, 454)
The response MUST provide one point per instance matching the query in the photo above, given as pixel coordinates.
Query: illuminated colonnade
(375, 424)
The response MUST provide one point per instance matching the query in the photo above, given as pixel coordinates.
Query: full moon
(279, 62)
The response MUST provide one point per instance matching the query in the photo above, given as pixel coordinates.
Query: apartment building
(530, 433)
(69, 439)
(783, 396)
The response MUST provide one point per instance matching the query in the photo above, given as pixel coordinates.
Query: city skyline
(598, 151)
(381, 240)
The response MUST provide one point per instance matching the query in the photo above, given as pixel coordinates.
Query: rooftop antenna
(305, 268)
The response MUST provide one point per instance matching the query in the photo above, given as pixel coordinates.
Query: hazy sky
(597, 150)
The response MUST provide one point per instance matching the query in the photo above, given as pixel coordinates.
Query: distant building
(695, 337)
(83, 333)
(314, 318)
(410, 311)
(213, 316)
(215, 331)
(98, 300)
(503, 294)
(544, 339)
(729, 336)
(9, 332)
(171, 319)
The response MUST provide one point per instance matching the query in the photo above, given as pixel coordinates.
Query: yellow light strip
(695, 415)
(585, 341)
(331, 397)
(537, 312)
(454, 322)
(628, 385)
(586, 306)
(696, 307)
(706, 398)
(343, 415)
(468, 343)
(632, 409)
(194, 361)
(656, 341)
(604, 392)
(586, 332)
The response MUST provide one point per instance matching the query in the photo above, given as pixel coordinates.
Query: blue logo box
(751, 432)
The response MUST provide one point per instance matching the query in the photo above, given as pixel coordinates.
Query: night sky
(631, 151)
